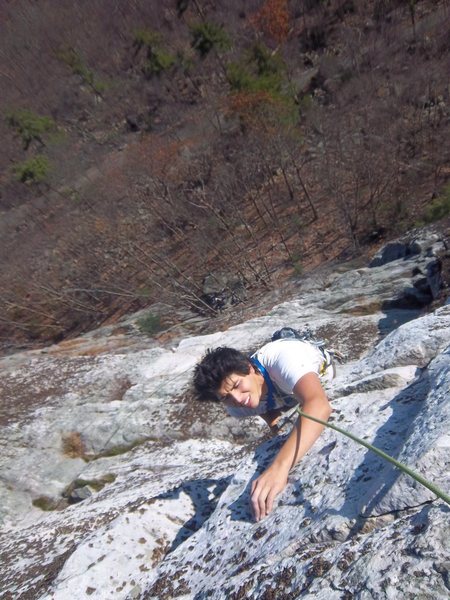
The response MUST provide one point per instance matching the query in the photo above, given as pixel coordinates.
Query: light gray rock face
(161, 483)
(348, 524)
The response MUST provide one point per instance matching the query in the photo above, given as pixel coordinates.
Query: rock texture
(115, 484)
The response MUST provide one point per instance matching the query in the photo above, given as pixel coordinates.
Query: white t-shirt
(285, 361)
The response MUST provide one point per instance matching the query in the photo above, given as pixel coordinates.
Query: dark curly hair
(215, 366)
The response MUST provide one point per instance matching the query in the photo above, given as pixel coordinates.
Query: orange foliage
(255, 109)
(156, 155)
(242, 102)
(273, 19)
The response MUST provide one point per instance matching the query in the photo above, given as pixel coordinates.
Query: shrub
(157, 62)
(45, 503)
(149, 324)
(29, 125)
(71, 193)
(33, 170)
(439, 208)
(260, 90)
(72, 59)
(95, 484)
(261, 109)
(258, 71)
(206, 36)
(157, 59)
(267, 62)
(144, 38)
(239, 77)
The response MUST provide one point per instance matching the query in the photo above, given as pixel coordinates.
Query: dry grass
(73, 445)
(85, 347)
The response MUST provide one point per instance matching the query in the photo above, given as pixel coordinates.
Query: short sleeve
(287, 361)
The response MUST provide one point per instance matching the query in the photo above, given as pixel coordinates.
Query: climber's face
(243, 390)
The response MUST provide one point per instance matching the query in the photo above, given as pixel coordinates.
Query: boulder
(394, 251)
(221, 291)
(425, 242)
(80, 494)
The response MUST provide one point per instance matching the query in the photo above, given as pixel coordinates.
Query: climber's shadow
(204, 494)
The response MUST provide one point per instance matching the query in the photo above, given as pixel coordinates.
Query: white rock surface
(169, 512)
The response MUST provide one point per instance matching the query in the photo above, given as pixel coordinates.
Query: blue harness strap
(270, 387)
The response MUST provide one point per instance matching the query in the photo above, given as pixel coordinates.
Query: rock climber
(283, 374)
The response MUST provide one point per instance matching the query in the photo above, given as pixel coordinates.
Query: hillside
(197, 153)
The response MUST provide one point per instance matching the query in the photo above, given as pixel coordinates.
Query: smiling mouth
(246, 401)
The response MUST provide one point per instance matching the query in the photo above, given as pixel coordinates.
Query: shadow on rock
(240, 509)
(426, 287)
(374, 477)
(205, 494)
(394, 317)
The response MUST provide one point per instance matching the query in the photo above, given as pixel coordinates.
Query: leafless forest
(148, 146)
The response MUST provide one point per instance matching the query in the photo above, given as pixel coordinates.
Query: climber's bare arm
(309, 391)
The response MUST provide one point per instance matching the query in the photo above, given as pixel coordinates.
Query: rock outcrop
(115, 484)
